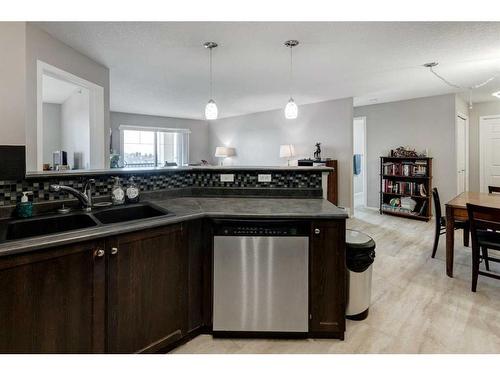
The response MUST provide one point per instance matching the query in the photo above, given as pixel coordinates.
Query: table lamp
(287, 151)
(221, 153)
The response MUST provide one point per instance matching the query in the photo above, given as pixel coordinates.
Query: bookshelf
(408, 180)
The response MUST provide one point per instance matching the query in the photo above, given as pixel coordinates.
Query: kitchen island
(146, 286)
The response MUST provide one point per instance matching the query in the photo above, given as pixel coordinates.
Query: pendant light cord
(469, 89)
(290, 78)
(211, 81)
(476, 86)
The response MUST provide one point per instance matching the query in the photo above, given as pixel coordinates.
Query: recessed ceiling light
(497, 94)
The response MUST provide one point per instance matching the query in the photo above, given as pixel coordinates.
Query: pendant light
(211, 111)
(291, 109)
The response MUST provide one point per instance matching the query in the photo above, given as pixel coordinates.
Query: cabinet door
(327, 278)
(147, 289)
(52, 301)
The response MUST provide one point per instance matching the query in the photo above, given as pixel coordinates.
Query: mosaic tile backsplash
(11, 191)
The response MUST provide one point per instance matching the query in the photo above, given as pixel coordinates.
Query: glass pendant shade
(291, 110)
(211, 111)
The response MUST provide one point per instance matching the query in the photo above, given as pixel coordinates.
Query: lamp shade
(221, 152)
(286, 151)
(211, 111)
(291, 110)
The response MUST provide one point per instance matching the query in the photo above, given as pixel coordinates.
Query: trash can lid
(360, 251)
(358, 239)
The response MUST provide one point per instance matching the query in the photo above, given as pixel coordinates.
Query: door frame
(363, 162)
(482, 150)
(466, 118)
(97, 157)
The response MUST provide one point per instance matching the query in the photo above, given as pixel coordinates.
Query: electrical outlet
(264, 178)
(229, 177)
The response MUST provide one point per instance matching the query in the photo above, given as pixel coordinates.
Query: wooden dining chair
(493, 189)
(485, 230)
(441, 223)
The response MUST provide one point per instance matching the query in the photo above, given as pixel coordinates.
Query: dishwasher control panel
(265, 228)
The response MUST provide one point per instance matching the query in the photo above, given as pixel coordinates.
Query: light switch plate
(229, 177)
(264, 178)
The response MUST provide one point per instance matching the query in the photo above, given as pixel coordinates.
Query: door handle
(99, 253)
(114, 250)
(317, 231)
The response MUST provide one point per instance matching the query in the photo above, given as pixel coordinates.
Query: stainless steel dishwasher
(261, 276)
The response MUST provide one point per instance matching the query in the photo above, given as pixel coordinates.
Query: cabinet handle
(317, 231)
(99, 253)
(114, 250)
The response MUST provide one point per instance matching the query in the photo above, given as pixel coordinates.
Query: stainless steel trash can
(360, 254)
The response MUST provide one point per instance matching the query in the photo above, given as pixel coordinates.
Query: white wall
(420, 123)
(198, 139)
(12, 83)
(478, 110)
(51, 130)
(75, 128)
(256, 137)
(41, 46)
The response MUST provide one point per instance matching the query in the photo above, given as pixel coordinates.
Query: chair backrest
(493, 189)
(482, 219)
(437, 203)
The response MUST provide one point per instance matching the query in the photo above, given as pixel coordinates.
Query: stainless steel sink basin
(44, 225)
(51, 224)
(128, 213)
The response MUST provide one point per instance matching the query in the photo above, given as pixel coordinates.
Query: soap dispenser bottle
(25, 207)
(117, 193)
(132, 192)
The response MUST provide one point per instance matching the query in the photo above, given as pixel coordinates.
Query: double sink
(52, 224)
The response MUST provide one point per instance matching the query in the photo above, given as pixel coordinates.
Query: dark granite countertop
(188, 208)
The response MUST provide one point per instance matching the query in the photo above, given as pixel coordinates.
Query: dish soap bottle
(132, 192)
(25, 207)
(117, 193)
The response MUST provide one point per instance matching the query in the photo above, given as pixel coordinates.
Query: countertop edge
(89, 234)
(117, 171)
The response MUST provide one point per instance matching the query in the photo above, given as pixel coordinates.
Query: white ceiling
(56, 91)
(162, 68)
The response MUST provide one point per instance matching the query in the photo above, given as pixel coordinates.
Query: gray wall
(12, 83)
(478, 110)
(421, 123)
(51, 130)
(42, 46)
(256, 137)
(75, 126)
(359, 148)
(198, 139)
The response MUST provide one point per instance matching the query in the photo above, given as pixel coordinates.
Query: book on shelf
(405, 168)
(402, 187)
(423, 209)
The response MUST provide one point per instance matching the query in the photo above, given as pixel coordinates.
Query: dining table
(456, 209)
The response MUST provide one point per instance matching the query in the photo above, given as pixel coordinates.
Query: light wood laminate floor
(415, 307)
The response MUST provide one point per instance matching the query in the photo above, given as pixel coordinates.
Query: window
(154, 147)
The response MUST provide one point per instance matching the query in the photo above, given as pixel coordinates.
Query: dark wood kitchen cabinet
(144, 291)
(327, 279)
(147, 292)
(52, 301)
(199, 286)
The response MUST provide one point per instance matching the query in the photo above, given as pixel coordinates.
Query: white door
(461, 154)
(490, 152)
